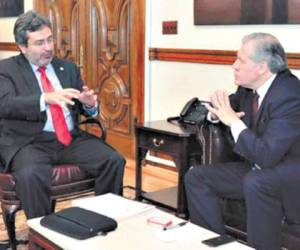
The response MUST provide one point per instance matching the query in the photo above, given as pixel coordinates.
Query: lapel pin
(61, 69)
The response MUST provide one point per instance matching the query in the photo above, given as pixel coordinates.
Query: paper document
(113, 206)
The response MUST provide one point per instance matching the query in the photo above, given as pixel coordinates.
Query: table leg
(140, 155)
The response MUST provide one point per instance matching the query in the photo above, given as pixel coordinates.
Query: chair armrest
(91, 120)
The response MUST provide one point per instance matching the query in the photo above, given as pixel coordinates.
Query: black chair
(217, 147)
(67, 181)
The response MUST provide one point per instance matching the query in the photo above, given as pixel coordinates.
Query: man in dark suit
(41, 99)
(268, 141)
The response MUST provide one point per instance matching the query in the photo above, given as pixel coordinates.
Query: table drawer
(161, 142)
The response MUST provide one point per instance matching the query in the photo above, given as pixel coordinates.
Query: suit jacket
(21, 118)
(275, 137)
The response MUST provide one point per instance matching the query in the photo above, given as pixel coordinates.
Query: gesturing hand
(222, 109)
(62, 97)
(88, 97)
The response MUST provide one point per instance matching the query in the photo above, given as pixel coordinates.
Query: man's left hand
(88, 97)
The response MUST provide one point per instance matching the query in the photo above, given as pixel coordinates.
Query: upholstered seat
(67, 181)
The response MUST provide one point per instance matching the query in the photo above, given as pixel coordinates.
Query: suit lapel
(29, 77)
(260, 116)
(247, 108)
(60, 71)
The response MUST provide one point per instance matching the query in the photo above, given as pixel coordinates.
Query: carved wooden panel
(109, 40)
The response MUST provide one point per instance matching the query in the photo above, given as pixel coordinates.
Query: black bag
(79, 223)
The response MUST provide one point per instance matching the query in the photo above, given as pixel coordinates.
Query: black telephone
(193, 112)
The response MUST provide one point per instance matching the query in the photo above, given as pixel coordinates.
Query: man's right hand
(222, 110)
(62, 97)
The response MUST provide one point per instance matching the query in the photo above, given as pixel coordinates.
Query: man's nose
(235, 64)
(48, 45)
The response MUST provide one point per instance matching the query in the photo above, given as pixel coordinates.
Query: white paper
(113, 206)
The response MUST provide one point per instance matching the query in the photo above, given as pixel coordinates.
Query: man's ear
(263, 68)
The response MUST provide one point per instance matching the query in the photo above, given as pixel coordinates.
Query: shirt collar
(263, 89)
(35, 67)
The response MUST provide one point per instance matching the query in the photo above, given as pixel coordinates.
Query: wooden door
(106, 40)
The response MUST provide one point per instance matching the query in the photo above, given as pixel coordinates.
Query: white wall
(168, 85)
(6, 30)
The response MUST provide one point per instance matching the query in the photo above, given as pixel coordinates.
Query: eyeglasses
(41, 43)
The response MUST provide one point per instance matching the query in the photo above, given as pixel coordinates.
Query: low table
(133, 233)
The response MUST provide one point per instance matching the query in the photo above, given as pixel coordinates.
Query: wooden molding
(7, 46)
(224, 57)
(293, 60)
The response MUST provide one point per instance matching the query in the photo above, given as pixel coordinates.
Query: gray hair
(267, 48)
(29, 22)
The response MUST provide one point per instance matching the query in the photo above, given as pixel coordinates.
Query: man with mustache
(41, 99)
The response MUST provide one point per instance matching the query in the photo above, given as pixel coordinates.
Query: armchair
(67, 181)
(217, 147)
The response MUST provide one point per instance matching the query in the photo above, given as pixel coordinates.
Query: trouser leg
(98, 159)
(33, 180)
(206, 185)
(264, 209)
(110, 178)
(203, 203)
(32, 167)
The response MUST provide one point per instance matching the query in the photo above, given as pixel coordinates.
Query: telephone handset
(193, 112)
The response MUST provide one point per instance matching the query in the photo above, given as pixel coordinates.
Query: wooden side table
(178, 141)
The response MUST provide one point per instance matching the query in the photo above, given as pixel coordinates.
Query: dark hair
(267, 48)
(29, 22)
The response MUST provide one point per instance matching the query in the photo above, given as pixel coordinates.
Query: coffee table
(133, 233)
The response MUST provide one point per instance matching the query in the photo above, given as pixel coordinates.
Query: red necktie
(59, 122)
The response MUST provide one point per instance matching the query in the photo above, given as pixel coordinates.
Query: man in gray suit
(41, 99)
(267, 138)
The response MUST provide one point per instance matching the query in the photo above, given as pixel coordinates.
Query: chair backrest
(217, 143)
